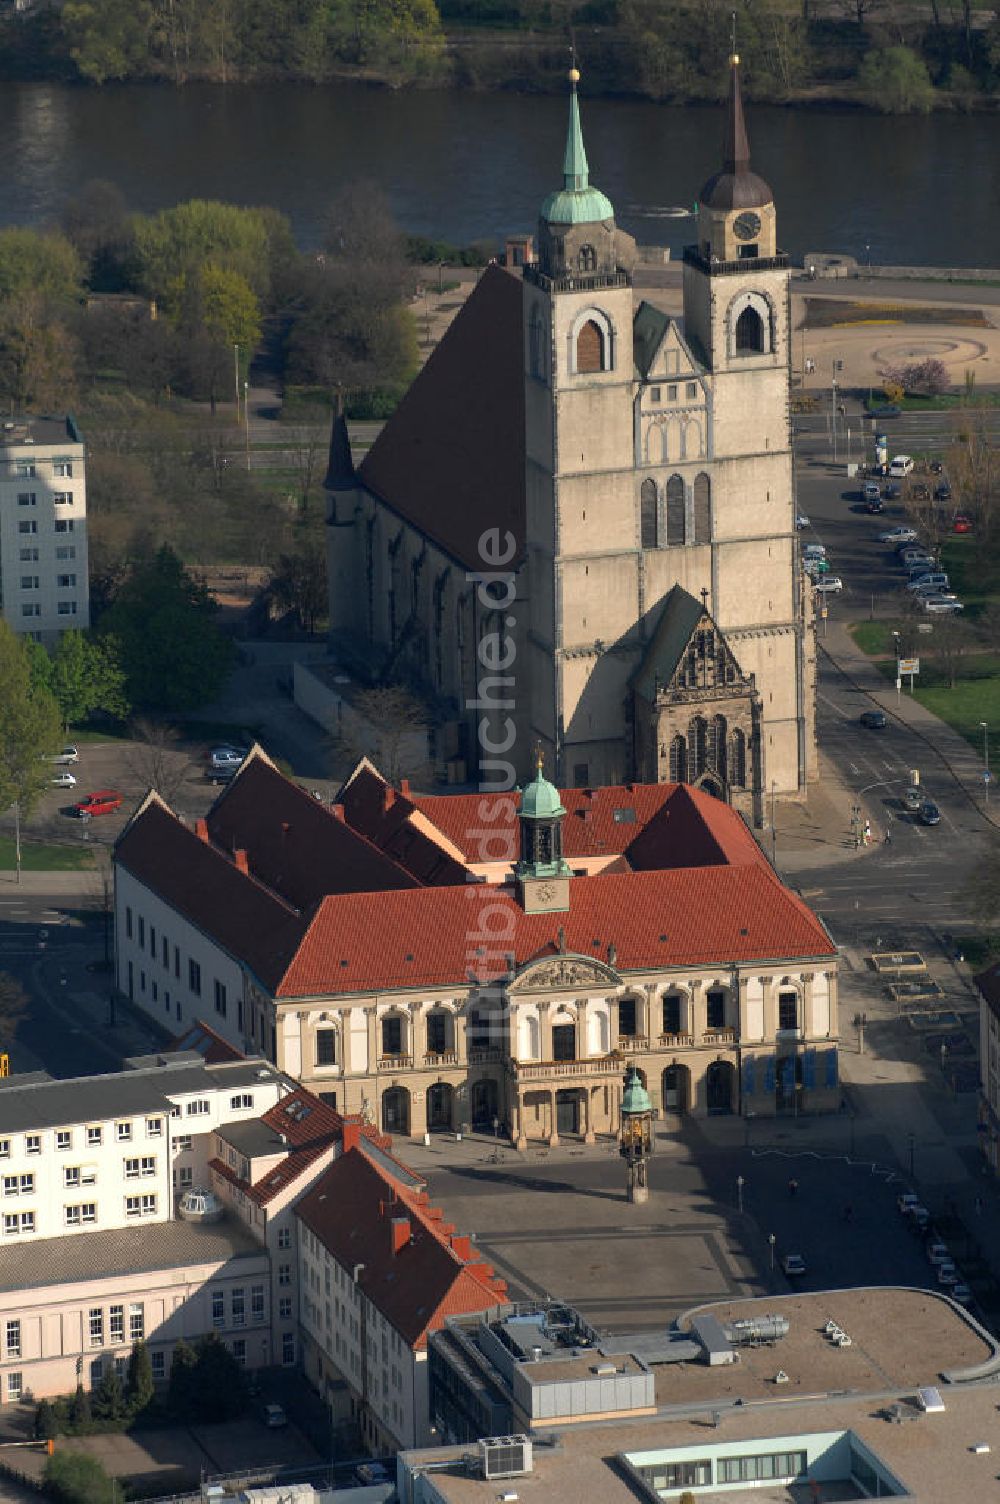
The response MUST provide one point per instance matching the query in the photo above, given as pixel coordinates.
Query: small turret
(636, 1140)
(576, 228)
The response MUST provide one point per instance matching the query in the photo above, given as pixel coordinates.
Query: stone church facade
(630, 474)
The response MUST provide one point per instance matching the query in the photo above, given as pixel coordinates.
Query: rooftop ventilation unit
(505, 1456)
(757, 1329)
(604, 1370)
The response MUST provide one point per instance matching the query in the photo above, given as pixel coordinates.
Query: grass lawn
(40, 856)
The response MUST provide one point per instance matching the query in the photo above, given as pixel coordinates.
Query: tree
(96, 223)
(181, 1391)
(13, 1006)
(173, 654)
(45, 1427)
(39, 356)
(36, 261)
(107, 38)
(76, 1478)
(299, 584)
(79, 1409)
(389, 726)
(139, 1386)
(85, 674)
(30, 727)
(952, 639)
(895, 80)
(109, 1400)
(220, 1386)
(155, 760)
(215, 308)
(177, 243)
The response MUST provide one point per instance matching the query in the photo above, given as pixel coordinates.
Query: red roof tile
(429, 937)
(212, 1048)
(377, 811)
(350, 1210)
(451, 458)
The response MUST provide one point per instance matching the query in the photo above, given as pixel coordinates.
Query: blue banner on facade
(831, 1067)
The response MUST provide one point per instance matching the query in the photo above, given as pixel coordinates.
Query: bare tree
(951, 641)
(155, 759)
(387, 724)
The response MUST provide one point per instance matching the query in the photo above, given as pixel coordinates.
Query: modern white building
(43, 527)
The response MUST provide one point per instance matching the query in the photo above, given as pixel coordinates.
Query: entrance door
(439, 1098)
(720, 1086)
(484, 1103)
(567, 1112)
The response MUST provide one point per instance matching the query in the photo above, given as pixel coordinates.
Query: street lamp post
(986, 758)
(868, 259)
(771, 1240)
(17, 838)
(740, 1182)
(246, 414)
(899, 677)
(236, 378)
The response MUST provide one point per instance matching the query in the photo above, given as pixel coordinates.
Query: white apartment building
(43, 527)
(113, 1151)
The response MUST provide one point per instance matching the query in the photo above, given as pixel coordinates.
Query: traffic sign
(987, 776)
(908, 666)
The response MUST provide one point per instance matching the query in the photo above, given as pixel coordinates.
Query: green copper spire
(576, 203)
(576, 172)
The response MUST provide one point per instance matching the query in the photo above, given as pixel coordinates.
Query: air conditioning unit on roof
(505, 1456)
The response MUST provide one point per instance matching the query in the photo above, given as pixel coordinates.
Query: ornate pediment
(561, 972)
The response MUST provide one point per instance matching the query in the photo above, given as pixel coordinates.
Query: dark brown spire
(735, 147)
(340, 468)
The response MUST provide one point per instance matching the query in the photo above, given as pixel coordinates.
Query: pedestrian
(888, 836)
(868, 832)
(793, 1188)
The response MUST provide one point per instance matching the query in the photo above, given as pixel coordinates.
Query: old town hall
(632, 472)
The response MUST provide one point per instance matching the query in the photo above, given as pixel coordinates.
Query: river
(918, 190)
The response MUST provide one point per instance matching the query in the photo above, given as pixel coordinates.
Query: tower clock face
(746, 225)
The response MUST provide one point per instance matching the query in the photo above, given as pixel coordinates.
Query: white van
(901, 466)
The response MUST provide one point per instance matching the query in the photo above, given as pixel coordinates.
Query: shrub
(75, 1478)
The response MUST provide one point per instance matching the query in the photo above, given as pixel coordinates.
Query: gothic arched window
(587, 258)
(749, 333)
(676, 530)
(697, 749)
(590, 348)
(678, 760)
(717, 745)
(702, 509)
(738, 760)
(648, 531)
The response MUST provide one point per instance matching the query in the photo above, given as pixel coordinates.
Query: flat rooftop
(44, 430)
(117, 1251)
(562, 1370)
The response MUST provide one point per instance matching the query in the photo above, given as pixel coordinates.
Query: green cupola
(541, 816)
(576, 202)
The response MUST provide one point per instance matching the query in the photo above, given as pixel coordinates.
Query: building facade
(43, 527)
(606, 461)
(437, 962)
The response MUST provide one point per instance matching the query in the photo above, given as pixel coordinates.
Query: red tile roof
(295, 844)
(351, 1209)
(656, 919)
(212, 1048)
(383, 815)
(451, 459)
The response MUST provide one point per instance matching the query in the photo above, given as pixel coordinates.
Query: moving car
(900, 466)
(929, 813)
(104, 802)
(898, 534)
(793, 1264)
(913, 798)
(875, 720)
(64, 780)
(886, 410)
(274, 1416)
(67, 755)
(830, 584)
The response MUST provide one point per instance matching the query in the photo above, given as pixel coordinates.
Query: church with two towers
(626, 479)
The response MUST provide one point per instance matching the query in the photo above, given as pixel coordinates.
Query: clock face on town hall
(747, 225)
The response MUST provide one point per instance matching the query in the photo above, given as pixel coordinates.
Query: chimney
(461, 1246)
(337, 810)
(388, 798)
(350, 1136)
(404, 787)
(240, 858)
(399, 1227)
(201, 830)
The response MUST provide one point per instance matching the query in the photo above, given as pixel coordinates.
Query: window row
(34, 581)
(115, 1326)
(33, 554)
(63, 608)
(656, 393)
(28, 526)
(28, 469)
(169, 957)
(238, 1306)
(663, 514)
(709, 748)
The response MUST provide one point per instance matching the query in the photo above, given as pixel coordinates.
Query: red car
(961, 524)
(104, 802)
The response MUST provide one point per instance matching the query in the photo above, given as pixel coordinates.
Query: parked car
(227, 757)
(373, 1472)
(920, 492)
(929, 813)
(935, 579)
(898, 534)
(892, 491)
(874, 508)
(830, 584)
(814, 551)
(962, 1293)
(870, 491)
(875, 720)
(913, 798)
(947, 1274)
(913, 553)
(104, 802)
(793, 1264)
(885, 410)
(942, 492)
(274, 1416)
(960, 523)
(938, 1252)
(936, 605)
(66, 755)
(935, 467)
(801, 520)
(906, 1201)
(64, 780)
(900, 466)
(920, 564)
